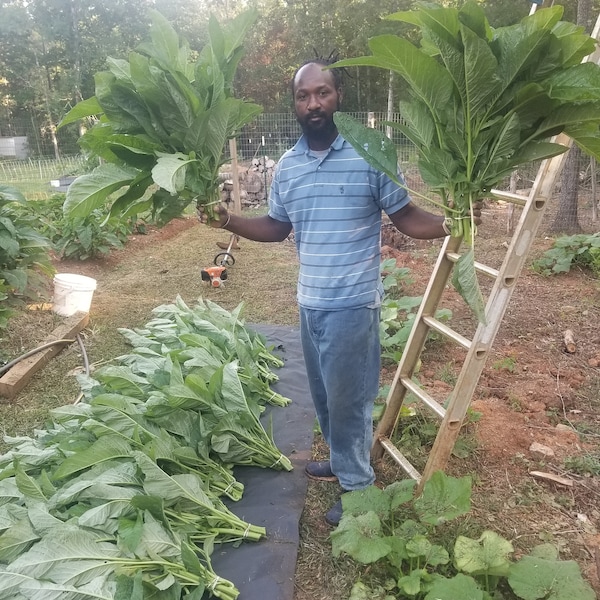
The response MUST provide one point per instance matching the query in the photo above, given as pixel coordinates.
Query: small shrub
(24, 259)
(580, 250)
(82, 237)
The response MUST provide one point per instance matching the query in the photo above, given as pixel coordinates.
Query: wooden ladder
(478, 347)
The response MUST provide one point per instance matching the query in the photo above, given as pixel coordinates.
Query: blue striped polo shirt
(334, 204)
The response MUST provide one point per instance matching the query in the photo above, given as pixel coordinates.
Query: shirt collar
(302, 144)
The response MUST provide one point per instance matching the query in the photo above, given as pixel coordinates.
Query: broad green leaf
(65, 552)
(122, 380)
(10, 584)
(425, 76)
(9, 492)
(88, 192)
(419, 123)
(158, 541)
(464, 279)
(368, 499)
(104, 516)
(533, 578)
(119, 68)
(97, 589)
(377, 149)
(581, 83)
(460, 586)
(129, 532)
(488, 555)
(361, 538)
(27, 485)
(171, 489)
(411, 584)
(41, 519)
(17, 539)
(10, 194)
(164, 45)
(432, 554)
(534, 151)
(443, 498)
(10, 514)
(170, 170)
(567, 116)
(86, 108)
(106, 448)
(129, 588)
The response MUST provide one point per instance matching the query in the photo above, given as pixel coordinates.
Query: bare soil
(531, 389)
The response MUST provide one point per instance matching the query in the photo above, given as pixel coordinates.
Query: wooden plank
(13, 381)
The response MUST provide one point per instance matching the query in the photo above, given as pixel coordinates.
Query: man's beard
(321, 131)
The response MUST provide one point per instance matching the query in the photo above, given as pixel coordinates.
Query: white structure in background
(14, 147)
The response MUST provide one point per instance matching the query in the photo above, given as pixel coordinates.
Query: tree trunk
(390, 103)
(566, 220)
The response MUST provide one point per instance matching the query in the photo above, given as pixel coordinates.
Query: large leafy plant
(163, 123)
(24, 253)
(401, 534)
(479, 103)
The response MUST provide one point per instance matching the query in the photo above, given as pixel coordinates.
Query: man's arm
(418, 223)
(259, 229)
(422, 225)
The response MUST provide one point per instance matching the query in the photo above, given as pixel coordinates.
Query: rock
(540, 451)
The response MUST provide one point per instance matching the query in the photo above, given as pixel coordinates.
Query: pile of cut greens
(480, 102)
(121, 495)
(163, 123)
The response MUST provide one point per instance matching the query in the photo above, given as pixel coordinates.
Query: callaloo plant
(581, 249)
(24, 253)
(479, 103)
(394, 529)
(163, 121)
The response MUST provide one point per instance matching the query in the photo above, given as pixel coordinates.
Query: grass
(33, 176)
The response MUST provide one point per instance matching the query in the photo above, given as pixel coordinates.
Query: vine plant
(401, 533)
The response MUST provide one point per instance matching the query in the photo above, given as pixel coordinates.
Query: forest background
(51, 49)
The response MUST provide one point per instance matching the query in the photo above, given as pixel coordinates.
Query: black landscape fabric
(274, 499)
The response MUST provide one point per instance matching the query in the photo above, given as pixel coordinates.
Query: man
(333, 200)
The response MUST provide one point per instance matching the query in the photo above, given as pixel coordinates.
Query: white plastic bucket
(72, 293)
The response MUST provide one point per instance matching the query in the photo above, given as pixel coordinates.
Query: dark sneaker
(320, 471)
(334, 514)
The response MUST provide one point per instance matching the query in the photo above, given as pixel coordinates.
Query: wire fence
(269, 136)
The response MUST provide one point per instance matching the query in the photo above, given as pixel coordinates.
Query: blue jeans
(343, 358)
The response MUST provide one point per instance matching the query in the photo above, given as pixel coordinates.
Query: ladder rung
(510, 196)
(489, 271)
(447, 331)
(422, 395)
(400, 459)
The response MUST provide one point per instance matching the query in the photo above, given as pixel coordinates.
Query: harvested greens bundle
(120, 497)
(480, 103)
(163, 121)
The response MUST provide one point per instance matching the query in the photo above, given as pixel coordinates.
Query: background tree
(567, 219)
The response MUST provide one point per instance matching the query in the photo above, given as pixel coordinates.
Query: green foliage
(24, 259)
(585, 464)
(397, 531)
(81, 238)
(481, 103)
(121, 495)
(398, 311)
(580, 250)
(164, 121)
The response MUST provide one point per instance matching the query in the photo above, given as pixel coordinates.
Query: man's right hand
(221, 216)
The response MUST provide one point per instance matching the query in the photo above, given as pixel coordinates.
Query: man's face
(315, 100)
